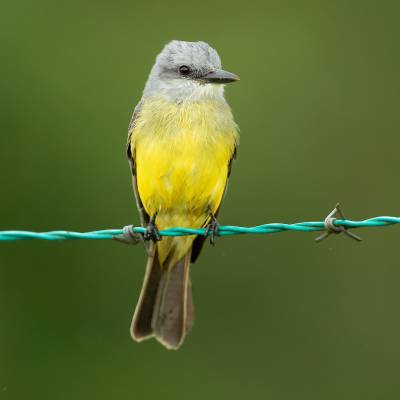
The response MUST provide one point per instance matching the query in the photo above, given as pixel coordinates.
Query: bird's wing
(199, 241)
(144, 217)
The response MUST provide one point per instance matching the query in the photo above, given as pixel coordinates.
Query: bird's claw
(212, 230)
(152, 233)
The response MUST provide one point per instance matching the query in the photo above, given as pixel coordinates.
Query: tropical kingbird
(181, 143)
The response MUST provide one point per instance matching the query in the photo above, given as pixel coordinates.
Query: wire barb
(330, 226)
(129, 236)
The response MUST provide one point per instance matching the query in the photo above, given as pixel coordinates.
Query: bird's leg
(152, 232)
(212, 228)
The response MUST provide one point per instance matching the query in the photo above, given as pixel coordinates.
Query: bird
(182, 139)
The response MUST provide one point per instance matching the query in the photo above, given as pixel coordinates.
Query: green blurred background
(277, 316)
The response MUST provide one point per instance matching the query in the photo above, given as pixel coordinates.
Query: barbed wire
(134, 234)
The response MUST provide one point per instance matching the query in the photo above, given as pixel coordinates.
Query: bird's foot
(212, 229)
(152, 232)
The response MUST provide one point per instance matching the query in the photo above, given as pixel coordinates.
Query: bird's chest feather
(182, 154)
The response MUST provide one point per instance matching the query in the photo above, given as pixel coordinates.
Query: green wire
(222, 230)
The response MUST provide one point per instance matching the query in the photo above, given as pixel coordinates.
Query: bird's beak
(220, 76)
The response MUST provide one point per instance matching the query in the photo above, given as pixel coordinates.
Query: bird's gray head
(187, 70)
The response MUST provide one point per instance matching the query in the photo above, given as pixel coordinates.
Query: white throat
(183, 89)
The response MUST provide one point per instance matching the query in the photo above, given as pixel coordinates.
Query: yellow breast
(182, 153)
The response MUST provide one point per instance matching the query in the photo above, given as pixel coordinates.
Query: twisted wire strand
(223, 230)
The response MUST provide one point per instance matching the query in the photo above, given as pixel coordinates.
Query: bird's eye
(184, 70)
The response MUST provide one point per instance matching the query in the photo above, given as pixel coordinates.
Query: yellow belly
(182, 154)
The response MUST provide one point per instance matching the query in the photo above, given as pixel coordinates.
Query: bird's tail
(165, 306)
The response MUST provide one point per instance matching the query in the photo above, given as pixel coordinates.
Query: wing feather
(144, 217)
